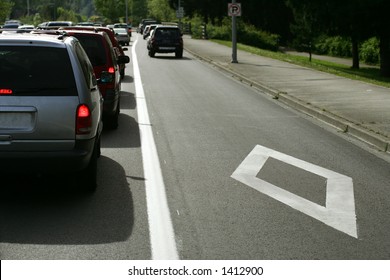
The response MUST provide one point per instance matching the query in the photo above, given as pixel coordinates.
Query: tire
(87, 178)
(151, 53)
(179, 54)
(112, 122)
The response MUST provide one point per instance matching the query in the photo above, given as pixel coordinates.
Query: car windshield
(36, 71)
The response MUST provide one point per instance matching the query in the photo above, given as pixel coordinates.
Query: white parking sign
(234, 9)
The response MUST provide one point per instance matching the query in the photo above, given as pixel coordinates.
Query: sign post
(234, 10)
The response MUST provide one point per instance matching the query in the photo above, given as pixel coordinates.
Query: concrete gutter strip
(366, 135)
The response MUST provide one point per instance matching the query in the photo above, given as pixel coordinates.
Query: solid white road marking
(339, 212)
(162, 236)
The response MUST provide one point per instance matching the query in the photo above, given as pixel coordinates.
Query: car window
(86, 67)
(36, 71)
(93, 47)
(167, 33)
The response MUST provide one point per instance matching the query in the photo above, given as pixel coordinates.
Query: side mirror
(123, 59)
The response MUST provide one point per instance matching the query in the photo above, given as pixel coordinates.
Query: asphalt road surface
(204, 167)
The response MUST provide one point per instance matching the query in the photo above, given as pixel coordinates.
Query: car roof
(59, 23)
(103, 35)
(107, 30)
(167, 26)
(22, 39)
(100, 34)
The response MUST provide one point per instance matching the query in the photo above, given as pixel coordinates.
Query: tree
(160, 9)
(309, 21)
(111, 9)
(5, 9)
(379, 21)
(349, 18)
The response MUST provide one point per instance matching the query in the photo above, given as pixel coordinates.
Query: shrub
(249, 35)
(335, 46)
(369, 51)
(196, 26)
(246, 34)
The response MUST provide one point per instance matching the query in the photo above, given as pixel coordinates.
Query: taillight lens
(83, 119)
(111, 70)
(5, 91)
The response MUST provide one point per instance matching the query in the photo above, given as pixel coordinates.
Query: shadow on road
(50, 209)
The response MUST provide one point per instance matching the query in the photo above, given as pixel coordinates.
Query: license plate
(17, 118)
(166, 48)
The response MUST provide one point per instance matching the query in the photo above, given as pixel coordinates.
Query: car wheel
(179, 54)
(87, 178)
(98, 148)
(113, 121)
(151, 53)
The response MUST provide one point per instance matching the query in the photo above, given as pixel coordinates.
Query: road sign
(180, 12)
(339, 211)
(234, 9)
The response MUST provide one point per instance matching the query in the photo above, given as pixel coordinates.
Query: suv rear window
(36, 71)
(171, 33)
(93, 47)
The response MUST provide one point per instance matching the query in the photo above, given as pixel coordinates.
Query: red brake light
(83, 120)
(5, 91)
(111, 70)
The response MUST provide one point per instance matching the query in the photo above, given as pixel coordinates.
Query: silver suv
(50, 107)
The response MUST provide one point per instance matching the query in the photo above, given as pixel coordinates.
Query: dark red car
(117, 47)
(105, 63)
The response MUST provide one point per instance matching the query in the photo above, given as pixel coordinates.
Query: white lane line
(162, 236)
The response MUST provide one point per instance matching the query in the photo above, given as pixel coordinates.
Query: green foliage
(113, 10)
(342, 47)
(5, 9)
(246, 34)
(160, 9)
(369, 51)
(249, 35)
(67, 15)
(221, 30)
(196, 26)
(334, 46)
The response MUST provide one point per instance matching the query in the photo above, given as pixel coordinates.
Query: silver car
(50, 107)
(122, 36)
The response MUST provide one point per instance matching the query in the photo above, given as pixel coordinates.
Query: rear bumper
(166, 49)
(48, 161)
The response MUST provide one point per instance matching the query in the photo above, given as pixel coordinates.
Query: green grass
(368, 75)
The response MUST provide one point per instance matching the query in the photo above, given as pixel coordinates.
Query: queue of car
(58, 88)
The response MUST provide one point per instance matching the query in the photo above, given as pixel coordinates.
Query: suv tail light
(5, 91)
(83, 120)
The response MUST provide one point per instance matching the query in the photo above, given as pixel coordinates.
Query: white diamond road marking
(339, 212)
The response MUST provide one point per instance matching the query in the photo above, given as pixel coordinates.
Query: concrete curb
(359, 132)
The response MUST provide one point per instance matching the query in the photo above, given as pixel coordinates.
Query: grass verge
(364, 74)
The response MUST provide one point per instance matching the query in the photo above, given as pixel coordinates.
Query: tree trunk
(385, 55)
(355, 53)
